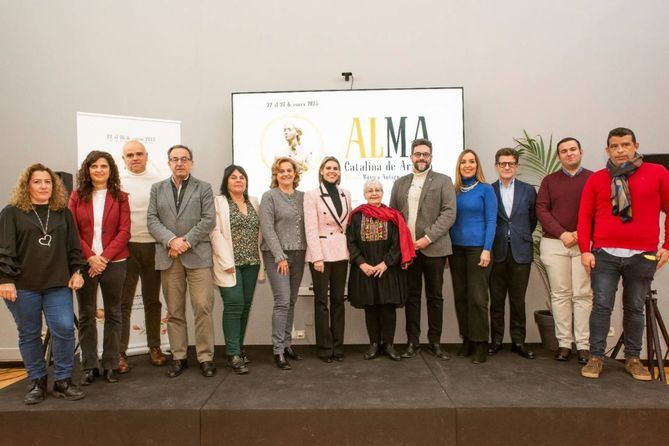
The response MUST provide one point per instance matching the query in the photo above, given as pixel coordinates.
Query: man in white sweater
(137, 181)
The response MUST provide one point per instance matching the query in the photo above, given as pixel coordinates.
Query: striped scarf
(621, 199)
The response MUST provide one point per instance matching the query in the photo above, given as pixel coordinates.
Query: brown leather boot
(123, 366)
(156, 356)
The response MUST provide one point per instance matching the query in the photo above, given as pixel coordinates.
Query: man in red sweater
(557, 210)
(618, 233)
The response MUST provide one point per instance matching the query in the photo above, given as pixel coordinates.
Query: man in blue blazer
(512, 253)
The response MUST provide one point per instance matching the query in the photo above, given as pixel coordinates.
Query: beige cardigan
(221, 244)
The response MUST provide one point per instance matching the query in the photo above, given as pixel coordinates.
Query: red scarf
(384, 213)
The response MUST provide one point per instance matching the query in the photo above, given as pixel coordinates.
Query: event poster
(109, 133)
(368, 131)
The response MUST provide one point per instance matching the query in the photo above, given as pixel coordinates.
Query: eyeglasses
(182, 160)
(425, 155)
(505, 164)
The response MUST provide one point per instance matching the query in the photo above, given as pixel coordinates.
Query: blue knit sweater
(476, 216)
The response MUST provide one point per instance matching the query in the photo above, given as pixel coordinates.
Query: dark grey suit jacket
(194, 221)
(436, 210)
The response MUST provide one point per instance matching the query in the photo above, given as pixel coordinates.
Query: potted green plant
(536, 161)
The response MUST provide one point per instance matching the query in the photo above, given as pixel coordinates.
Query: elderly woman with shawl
(380, 248)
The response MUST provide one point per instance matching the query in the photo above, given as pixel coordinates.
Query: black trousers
(111, 283)
(141, 264)
(329, 322)
(512, 278)
(380, 320)
(432, 270)
(470, 289)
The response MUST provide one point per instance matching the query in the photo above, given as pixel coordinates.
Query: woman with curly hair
(40, 258)
(102, 214)
(283, 249)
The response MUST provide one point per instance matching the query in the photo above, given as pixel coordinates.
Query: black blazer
(517, 227)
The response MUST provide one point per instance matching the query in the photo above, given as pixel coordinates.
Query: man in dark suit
(180, 217)
(426, 200)
(512, 253)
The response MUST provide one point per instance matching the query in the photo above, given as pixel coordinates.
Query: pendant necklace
(468, 188)
(46, 240)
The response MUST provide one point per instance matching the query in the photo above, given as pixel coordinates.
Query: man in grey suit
(180, 216)
(426, 199)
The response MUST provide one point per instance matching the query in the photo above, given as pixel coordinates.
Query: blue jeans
(637, 273)
(27, 309)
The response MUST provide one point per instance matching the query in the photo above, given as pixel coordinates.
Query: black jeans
(329, 323)
(470, 289)
(512, 278)
(380, 320)
(141, 265)
(111, 283)
(432, 269)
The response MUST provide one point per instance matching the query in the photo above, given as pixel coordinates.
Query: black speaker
(658, 158)
(67, 180)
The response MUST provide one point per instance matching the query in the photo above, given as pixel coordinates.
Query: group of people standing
(174, 232)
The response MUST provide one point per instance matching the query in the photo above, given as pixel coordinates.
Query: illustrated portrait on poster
(294, 137)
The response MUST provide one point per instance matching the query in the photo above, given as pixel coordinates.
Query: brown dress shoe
(583, 356)
(123, 366)
(562, 354)
(156, 356)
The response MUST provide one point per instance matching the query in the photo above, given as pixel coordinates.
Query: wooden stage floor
(506, 401)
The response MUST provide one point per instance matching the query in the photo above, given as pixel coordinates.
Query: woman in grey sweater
(283, 248)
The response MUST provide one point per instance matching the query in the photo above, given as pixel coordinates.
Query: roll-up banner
(110, 133)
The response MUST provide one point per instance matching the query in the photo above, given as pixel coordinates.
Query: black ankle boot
(65, 389)
(238, 365)
(392, 353)
(480, 352)
(292, 354)
(467, 348)
(281, 362)
(88, 376)
(36, 391)
(244, 356)
(110, 376)
(373, 351)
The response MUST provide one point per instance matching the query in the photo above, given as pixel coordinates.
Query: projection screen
(368, 131)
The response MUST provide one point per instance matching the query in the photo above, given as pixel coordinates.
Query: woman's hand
(367, 269)
(282, 267)
(380, 269)
(319, 266)
(76, 281)
(485, 258)
(8, 291)
(230, 270)
(97, 264)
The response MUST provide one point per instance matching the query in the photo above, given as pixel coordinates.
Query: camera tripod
(653, 344)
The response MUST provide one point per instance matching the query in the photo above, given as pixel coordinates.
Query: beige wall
(563, 68)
